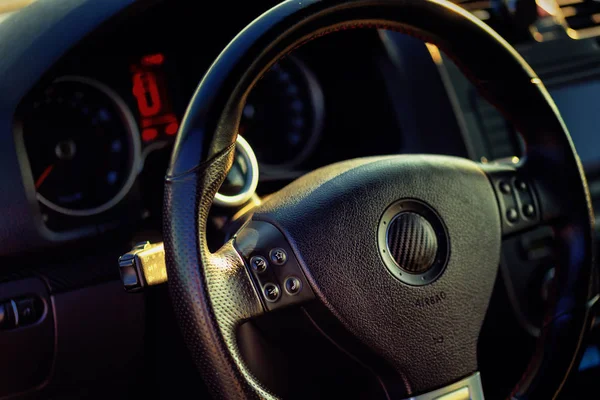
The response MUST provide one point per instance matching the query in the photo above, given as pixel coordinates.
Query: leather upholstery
(429, 333)
(210, 127)
(210, 302)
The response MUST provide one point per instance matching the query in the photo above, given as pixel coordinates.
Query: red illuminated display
(149, 134)
(149, 89)
(145, 90)
(153, 59)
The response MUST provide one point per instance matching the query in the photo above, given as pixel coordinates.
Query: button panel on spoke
(275, 271)
(518, 205)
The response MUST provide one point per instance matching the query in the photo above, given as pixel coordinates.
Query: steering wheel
(402, 250)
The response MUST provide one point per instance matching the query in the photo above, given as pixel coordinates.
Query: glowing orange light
(171, 129)
(145, 90)
(547, 8)
(434, 52)
(149, 134)
(153, 59)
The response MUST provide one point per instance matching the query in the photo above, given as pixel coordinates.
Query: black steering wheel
(399, 249)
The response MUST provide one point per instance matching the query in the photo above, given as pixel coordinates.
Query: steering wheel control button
(278, 256)
(293, 285)
(505, 187)
(271, 292)
(413, 242)
(259, 264)
(512, 215)
(283, 283)
(521, 185)
(519, 208)
(529, 210)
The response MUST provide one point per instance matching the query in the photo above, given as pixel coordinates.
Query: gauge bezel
(318, 108)
(245, 150)
(132, 131)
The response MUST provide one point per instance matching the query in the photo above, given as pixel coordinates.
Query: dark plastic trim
(31, 41)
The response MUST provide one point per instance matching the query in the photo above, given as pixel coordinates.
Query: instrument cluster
(88, 141)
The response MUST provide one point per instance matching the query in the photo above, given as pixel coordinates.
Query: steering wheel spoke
(227, 275)
(542, 244)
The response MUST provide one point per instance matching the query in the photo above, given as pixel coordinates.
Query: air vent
(492, 16)
(480, 8)
(582, 17)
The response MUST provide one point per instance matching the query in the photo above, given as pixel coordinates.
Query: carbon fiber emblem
(413, 242)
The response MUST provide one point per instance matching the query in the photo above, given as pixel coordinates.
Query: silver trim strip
(244, 150)
(132, 130)
(467, 389)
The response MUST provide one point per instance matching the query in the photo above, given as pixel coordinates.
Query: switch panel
(274, 268)
(20, 312)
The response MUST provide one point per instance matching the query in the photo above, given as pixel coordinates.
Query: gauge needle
(43, 176)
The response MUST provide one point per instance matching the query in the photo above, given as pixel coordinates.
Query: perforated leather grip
(204, 150)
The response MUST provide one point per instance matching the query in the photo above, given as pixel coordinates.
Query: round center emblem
(413, 242)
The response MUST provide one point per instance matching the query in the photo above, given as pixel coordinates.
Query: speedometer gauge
(283, 116)
(83, 147)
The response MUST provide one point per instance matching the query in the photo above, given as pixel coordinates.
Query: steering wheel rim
(213, 293)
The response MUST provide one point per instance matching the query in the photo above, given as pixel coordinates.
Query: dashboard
(98, 129)
(88, 119)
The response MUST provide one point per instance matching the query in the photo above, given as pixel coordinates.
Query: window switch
(7, 315)
(29, 311)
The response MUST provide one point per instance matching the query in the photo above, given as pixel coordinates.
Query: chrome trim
(443, 243)
(467, 389)
(15, 312)
(244, 150)
(132, 130)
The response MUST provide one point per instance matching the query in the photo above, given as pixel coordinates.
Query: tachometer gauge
(283, 116)
(83, 147)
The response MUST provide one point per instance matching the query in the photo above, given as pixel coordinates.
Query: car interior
(307, 199)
